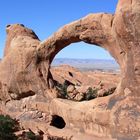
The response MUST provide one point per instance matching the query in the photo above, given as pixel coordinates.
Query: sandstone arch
(25, 69)
(113, 32)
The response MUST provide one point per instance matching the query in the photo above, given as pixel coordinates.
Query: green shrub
(91, 94)
(63, 90)
(31, 136)
(7, 128)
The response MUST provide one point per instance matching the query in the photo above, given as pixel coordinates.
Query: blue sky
(47, 16)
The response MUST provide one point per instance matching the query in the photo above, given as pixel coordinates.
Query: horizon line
(84, 58)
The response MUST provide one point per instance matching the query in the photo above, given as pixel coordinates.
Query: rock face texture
(80, 85)
(81, 78)
(16, 68)
(25, 75)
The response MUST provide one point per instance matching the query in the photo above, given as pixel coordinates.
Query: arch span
(90, 29)
(98, 29)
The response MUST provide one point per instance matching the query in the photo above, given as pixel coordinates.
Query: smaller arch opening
(57, 122)
(70, 74)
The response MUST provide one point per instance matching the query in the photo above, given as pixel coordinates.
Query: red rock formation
(25, 71)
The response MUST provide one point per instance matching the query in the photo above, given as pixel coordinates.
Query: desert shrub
(91, 93)
(110, 91)
(63, 89)
(31, 136)
(7, 128)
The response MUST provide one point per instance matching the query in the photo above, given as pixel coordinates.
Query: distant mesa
(88, 64)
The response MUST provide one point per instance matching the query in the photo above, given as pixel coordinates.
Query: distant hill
(88, 64)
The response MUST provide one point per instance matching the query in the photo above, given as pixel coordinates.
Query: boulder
(101, 92)
(70, 88)
(79, 97)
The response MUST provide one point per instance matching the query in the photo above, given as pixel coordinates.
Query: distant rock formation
(80, 86)
(26, 83)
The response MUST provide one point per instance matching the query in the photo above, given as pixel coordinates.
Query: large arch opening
(84, 72)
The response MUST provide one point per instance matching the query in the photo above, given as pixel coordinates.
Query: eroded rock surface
(25, 74)
(80, 86)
